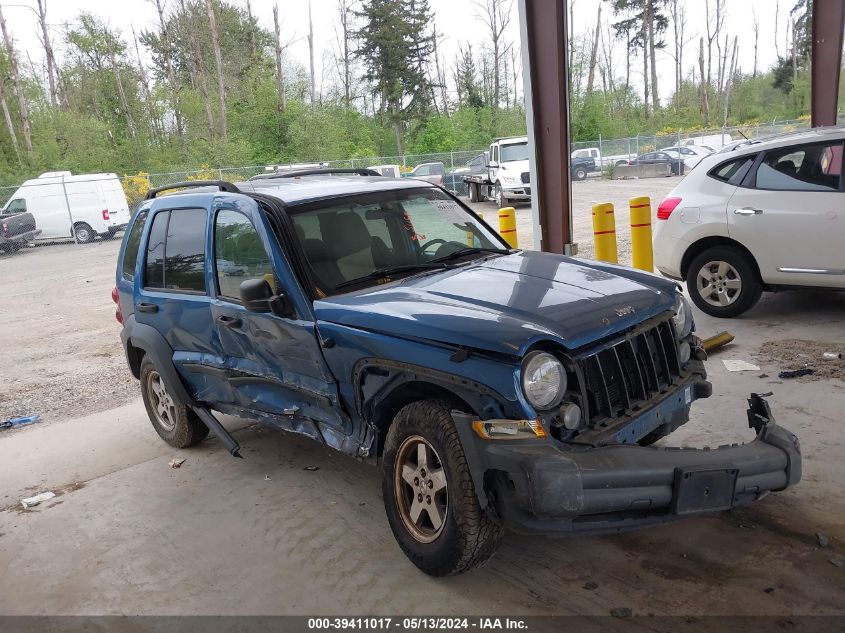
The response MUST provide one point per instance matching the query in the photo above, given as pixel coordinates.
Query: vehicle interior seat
(346, 250)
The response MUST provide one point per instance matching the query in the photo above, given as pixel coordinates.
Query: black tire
(580, 173)
(473, 191)
(741, 267)
(83, 233)
(468, 536)
(501, 200)
(186, 428)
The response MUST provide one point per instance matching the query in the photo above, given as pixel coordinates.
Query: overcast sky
(456, 20)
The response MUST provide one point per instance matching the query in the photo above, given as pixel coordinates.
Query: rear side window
(804, 168)
(733, 171)
(176, 251)
(133, 244)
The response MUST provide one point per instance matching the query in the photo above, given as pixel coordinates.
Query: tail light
(105, 214)
(5, 227)
(115, 296)
(666, 207)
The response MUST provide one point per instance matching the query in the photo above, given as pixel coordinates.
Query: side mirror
(257, 296)
(493, 163)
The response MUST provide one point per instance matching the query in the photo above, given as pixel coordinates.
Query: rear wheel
(580, 173)
(473, 191)
(175, 423)
(722, 281)
(429, 495)
(83, 233)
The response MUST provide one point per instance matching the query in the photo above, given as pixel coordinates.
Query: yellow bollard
(507, 225)
(470, 234)
(604, 233)
(642, 253)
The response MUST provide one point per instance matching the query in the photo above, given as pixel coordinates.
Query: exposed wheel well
(702, 245)
(407, 393)
(135, 355)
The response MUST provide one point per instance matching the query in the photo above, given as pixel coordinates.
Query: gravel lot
(61, 354)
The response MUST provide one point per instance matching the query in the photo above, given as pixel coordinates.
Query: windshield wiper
(387, 272)
(469, 250)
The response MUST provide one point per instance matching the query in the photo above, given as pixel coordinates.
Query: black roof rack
(295, 173)
(222, 185)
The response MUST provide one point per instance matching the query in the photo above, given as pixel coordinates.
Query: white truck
(67, 206)
(507, 176)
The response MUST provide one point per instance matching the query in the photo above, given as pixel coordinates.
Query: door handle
(147, 307)
(233, 322)
(748, 211)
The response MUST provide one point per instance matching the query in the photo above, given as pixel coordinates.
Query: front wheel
(429, 496)
(580, 173)
(501, 200)
(723, 282)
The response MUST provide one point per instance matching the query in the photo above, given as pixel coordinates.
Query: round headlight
(683, 317)
(543, 380)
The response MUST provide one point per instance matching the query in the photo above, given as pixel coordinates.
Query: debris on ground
(31, 502)
(311, 468)
(267, 478)
(797, 373)
(621, 612)
(832, 356)
(176, 463)
(795, 354)
(20, 421)
(769, 589)
(716, 342)
(838, 561)
(822, 539)
(739, 365)
(590, 585)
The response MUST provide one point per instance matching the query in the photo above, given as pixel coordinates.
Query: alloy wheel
(419, 481)
(163, 405)
(719, 283)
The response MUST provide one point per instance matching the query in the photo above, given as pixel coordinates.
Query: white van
(73, 207)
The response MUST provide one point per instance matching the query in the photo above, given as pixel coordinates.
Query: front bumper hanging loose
(542, 486)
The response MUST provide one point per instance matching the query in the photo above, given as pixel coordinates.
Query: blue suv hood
(506, 304)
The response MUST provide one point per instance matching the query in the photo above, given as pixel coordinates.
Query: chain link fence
(610, 151)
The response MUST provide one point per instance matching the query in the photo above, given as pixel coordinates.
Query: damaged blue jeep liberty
(496, 388)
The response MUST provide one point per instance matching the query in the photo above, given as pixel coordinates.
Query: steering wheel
(425, 246)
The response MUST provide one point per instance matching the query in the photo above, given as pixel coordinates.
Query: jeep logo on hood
(624, 311)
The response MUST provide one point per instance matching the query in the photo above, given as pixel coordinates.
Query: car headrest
(344, 233)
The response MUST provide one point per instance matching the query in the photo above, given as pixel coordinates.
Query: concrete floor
(129, 535)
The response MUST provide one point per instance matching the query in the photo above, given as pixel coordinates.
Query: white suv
(761, 214)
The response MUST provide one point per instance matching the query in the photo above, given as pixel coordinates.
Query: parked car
(389, 171)
(758, 215)
(676, 164)
(601, 160)
(17, 228)
(580, 167)
(430, 172)
(80, 206)
(690, 154)
(496, 388)
(454, 180)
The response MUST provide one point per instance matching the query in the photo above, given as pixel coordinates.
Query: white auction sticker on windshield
(449, 210)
